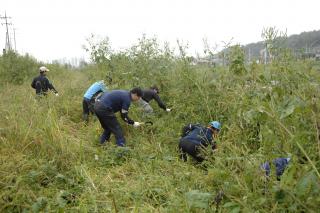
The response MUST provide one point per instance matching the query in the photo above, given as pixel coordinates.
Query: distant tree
(100, 53)
(15, 68)
(236, 58)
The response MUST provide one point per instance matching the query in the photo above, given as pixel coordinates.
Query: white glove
(57, 94)
(168, 110)
(136, 124)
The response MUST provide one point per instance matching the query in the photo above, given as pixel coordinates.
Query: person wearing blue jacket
(90, 96)
(195, 137)
(111, 103)
(280, 165)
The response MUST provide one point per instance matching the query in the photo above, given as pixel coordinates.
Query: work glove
(168, 110)
(136, 124)
(57, 94)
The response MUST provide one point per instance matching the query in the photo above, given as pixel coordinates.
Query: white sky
(56, 29)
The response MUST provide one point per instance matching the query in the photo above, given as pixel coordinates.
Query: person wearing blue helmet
(90, 96)
(194, 137)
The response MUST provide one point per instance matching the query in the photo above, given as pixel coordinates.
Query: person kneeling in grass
(195, 137)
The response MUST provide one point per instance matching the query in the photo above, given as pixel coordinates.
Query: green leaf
(235, 210)
(307, 184)
(287, 111)
(261, 200)
(288, 106)
(280, 195)
(40, 204)
(63, 198)
(230, 204)
(198, 199)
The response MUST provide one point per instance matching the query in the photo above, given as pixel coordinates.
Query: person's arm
(124, 112)
(50, 86)
(159, 101)
(98, 96)
(103, 88)
(33, 84)
(125, 117)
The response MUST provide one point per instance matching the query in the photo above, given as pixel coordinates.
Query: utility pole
(8, 44)
(14, 38)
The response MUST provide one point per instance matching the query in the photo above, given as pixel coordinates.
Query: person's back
(199, 135)
(116, 100)
(94, 89)
(40, 83)
(148, 94)
(89, 98)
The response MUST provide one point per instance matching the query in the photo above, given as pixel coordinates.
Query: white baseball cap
(43, 69)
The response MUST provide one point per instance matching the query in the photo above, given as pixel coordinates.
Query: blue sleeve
(125, 106)
(103, 88)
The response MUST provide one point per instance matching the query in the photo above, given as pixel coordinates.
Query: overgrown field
(50, 161)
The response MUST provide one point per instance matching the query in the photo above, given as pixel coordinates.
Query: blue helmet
(215, 124)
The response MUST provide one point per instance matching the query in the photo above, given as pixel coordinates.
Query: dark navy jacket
(198, 135)
(117, 100)
(45, 84)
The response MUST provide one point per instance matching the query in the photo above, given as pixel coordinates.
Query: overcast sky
(54, 29)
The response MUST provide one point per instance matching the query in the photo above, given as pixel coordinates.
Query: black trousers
(187, 147)
(88, 107)
(109, 123)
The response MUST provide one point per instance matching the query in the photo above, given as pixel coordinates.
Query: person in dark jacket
(106, 107)
(280, 165)
(89, 98)
(42, 84)
(151, 94)
(195, 137)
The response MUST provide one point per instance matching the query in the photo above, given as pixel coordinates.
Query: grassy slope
(48, 156)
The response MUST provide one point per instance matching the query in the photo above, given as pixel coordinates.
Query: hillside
(50, 161)
(306, 42)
